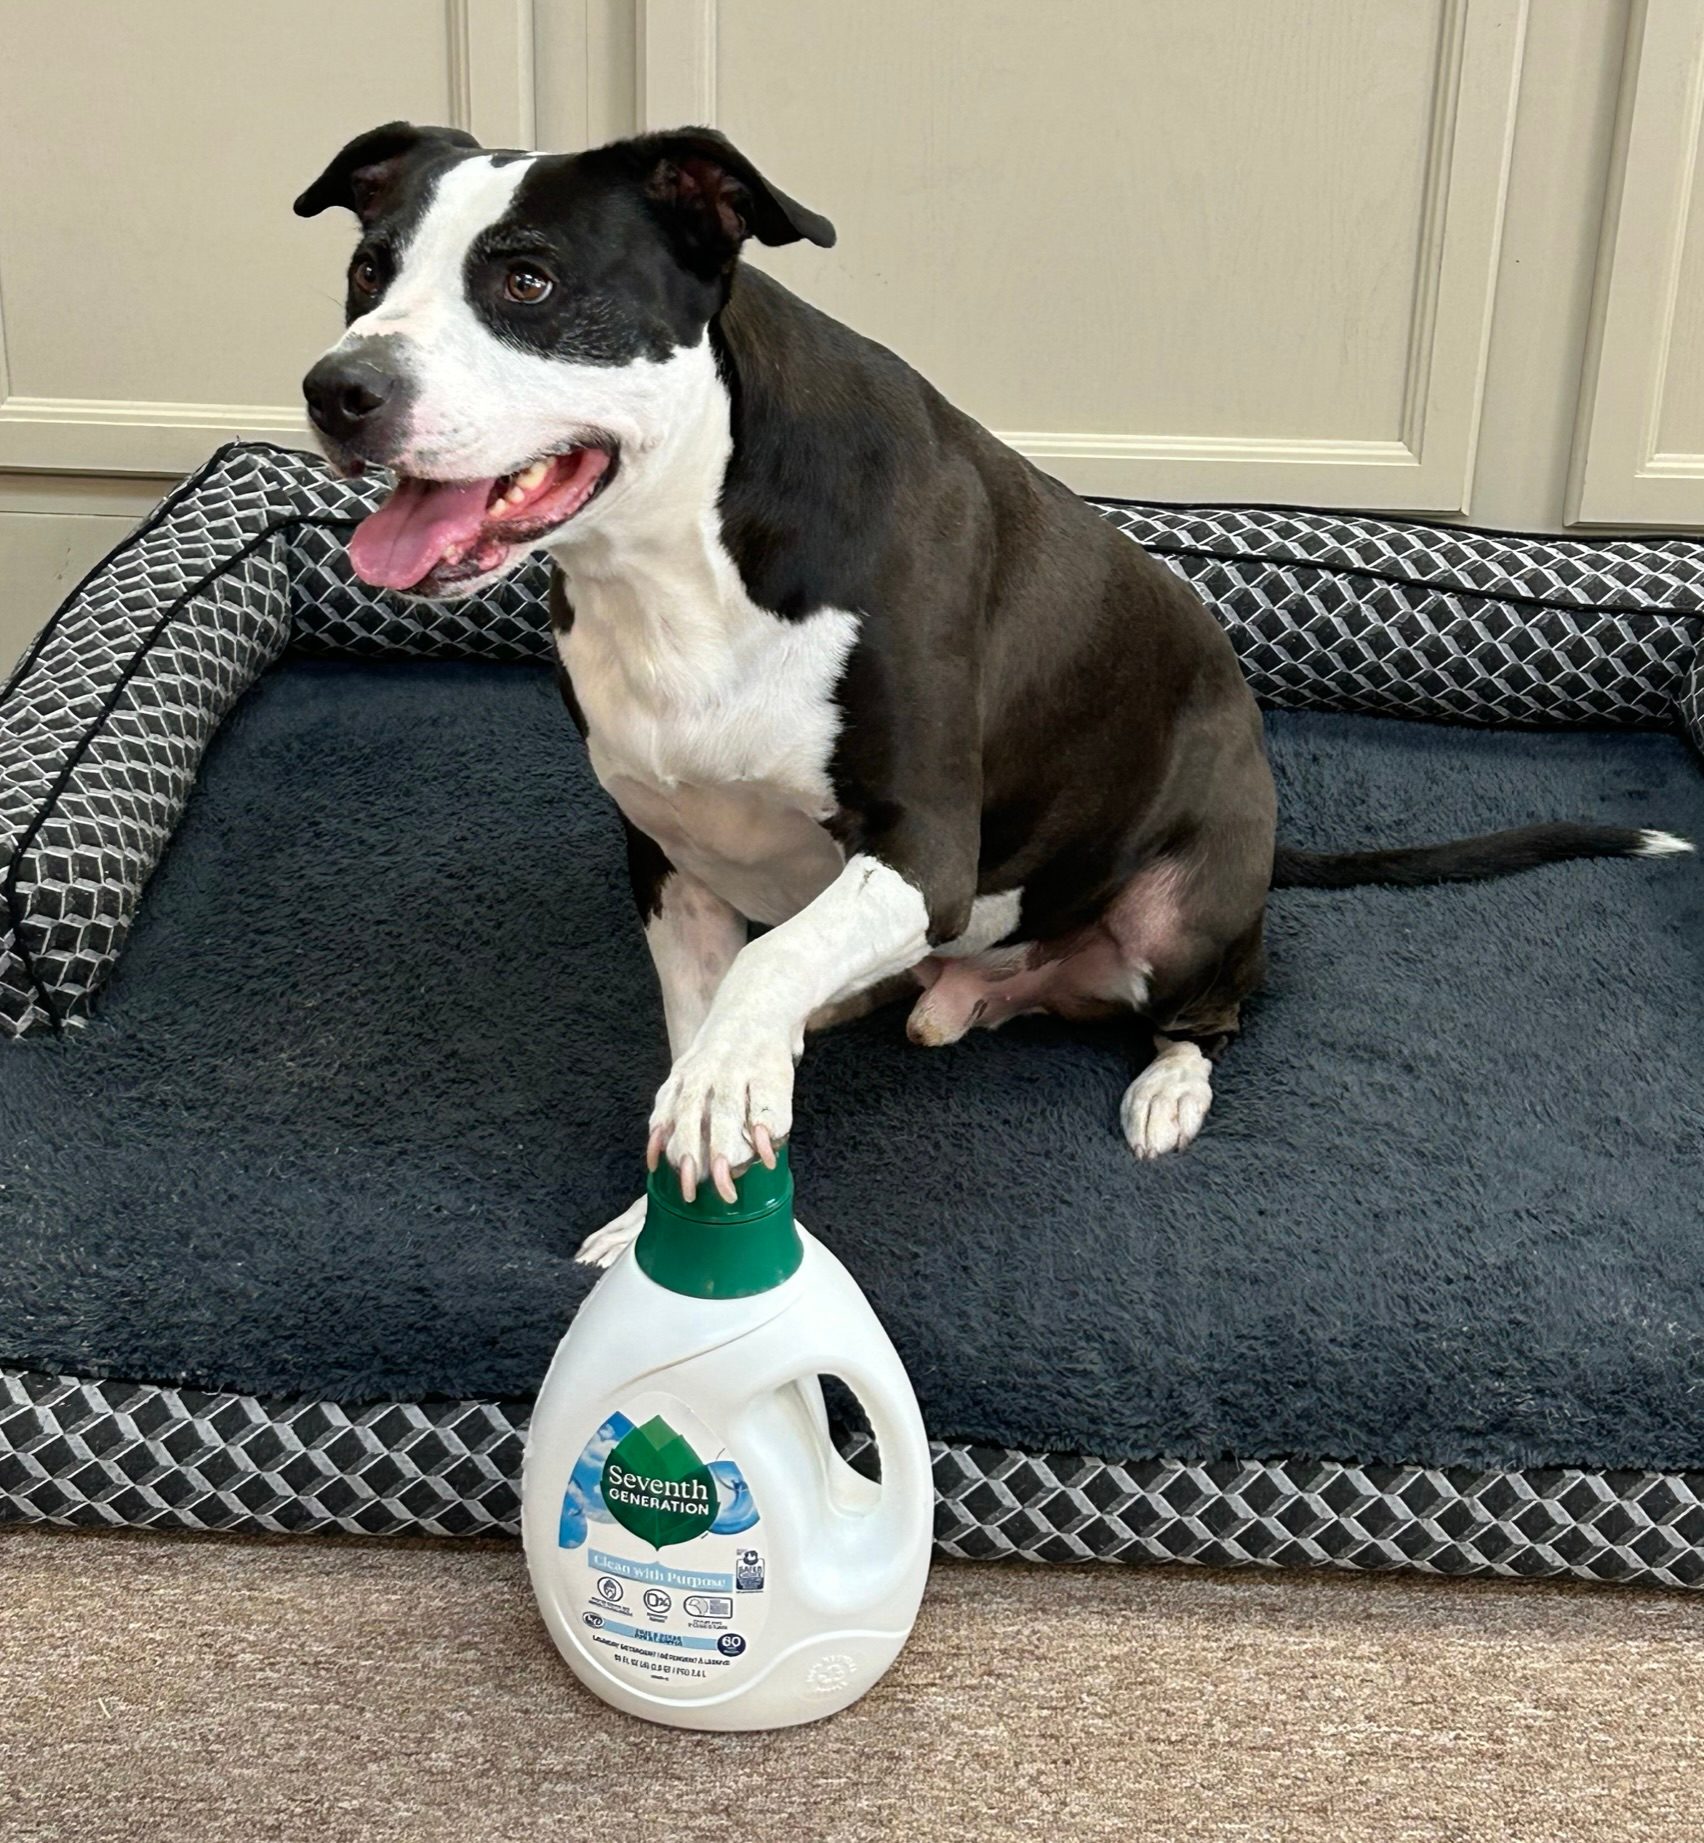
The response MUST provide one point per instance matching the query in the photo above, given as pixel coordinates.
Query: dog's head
(525, 332)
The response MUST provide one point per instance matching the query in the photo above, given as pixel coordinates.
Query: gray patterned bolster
(103, 725)
(110, 1454)
(1332, 611)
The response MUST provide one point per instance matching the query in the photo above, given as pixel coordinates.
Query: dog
(848, 665)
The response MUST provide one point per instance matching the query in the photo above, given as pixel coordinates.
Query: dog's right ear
(364, 171)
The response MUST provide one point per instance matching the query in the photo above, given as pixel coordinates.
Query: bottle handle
(907, 1477)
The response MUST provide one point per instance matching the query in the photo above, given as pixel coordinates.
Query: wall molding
(1679, 467)
(133, 435)
(1056, 444)
(105, 435)
(676, 63)
(1375, 476)
(491, 70)
(1428, 465)
(1619, 475)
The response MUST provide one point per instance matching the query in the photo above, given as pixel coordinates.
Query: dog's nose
(345, 395)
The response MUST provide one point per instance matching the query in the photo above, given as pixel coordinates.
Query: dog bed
(286, 1217)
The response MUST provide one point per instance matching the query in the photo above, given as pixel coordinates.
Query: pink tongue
(394, 547)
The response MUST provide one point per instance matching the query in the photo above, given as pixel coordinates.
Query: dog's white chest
(720, 753)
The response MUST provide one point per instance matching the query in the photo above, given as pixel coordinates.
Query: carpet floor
(363, 1692)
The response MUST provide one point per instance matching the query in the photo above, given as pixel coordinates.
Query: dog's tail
(1468, 860)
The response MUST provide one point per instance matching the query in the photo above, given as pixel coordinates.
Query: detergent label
(665, 1547)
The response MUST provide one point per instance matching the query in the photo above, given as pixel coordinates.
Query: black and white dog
(848, 665)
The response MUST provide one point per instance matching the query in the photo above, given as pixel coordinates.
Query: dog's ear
(716, 198)
(364, 171)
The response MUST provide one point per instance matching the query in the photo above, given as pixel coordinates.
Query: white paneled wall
(156, 294)
(1640, 452)
(1444, 256)
(1210, 251)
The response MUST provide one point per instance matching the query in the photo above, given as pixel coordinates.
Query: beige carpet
(323, 1691)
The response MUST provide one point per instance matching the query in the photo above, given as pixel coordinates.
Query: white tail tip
(1662, 845)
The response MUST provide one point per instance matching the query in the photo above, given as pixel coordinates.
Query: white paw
(1165, 1105)
(604, 1246)
(728, 1100)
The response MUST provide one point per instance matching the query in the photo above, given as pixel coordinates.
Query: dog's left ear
(715, 194)
(362, 173)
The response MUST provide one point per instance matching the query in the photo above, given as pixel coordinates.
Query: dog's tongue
(398, 545)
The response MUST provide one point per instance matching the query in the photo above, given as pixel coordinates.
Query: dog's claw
(727, 1101)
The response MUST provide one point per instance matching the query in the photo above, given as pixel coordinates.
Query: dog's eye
(365, 275)
(526, 284)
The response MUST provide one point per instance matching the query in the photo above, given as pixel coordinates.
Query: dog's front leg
(694, 937)
(729, 1098)
(692, 933)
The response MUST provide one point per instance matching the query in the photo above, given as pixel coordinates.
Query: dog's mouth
(432, 535)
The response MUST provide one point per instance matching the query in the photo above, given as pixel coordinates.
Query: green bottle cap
(715, 1250)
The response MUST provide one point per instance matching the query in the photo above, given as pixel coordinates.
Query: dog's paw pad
(1165, 1106)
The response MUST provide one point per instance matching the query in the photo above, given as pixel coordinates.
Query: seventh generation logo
(657, 1487)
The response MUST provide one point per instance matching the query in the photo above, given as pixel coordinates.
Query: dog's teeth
(529, 477)
(453, 554)
(515, 494)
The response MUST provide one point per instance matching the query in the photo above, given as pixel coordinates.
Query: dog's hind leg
(1196, 1014)
(1166, 1105)
(1195, 973)
(861, 1004)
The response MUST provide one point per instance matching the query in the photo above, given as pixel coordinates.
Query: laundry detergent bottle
(702, 1554)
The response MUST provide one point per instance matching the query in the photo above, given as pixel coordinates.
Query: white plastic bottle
(701, 1553)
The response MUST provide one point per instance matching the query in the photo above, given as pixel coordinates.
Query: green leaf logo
(656, 1486)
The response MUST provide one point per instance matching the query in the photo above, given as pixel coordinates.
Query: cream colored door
(1639, 455)
(157, 297)
(1224, 250)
